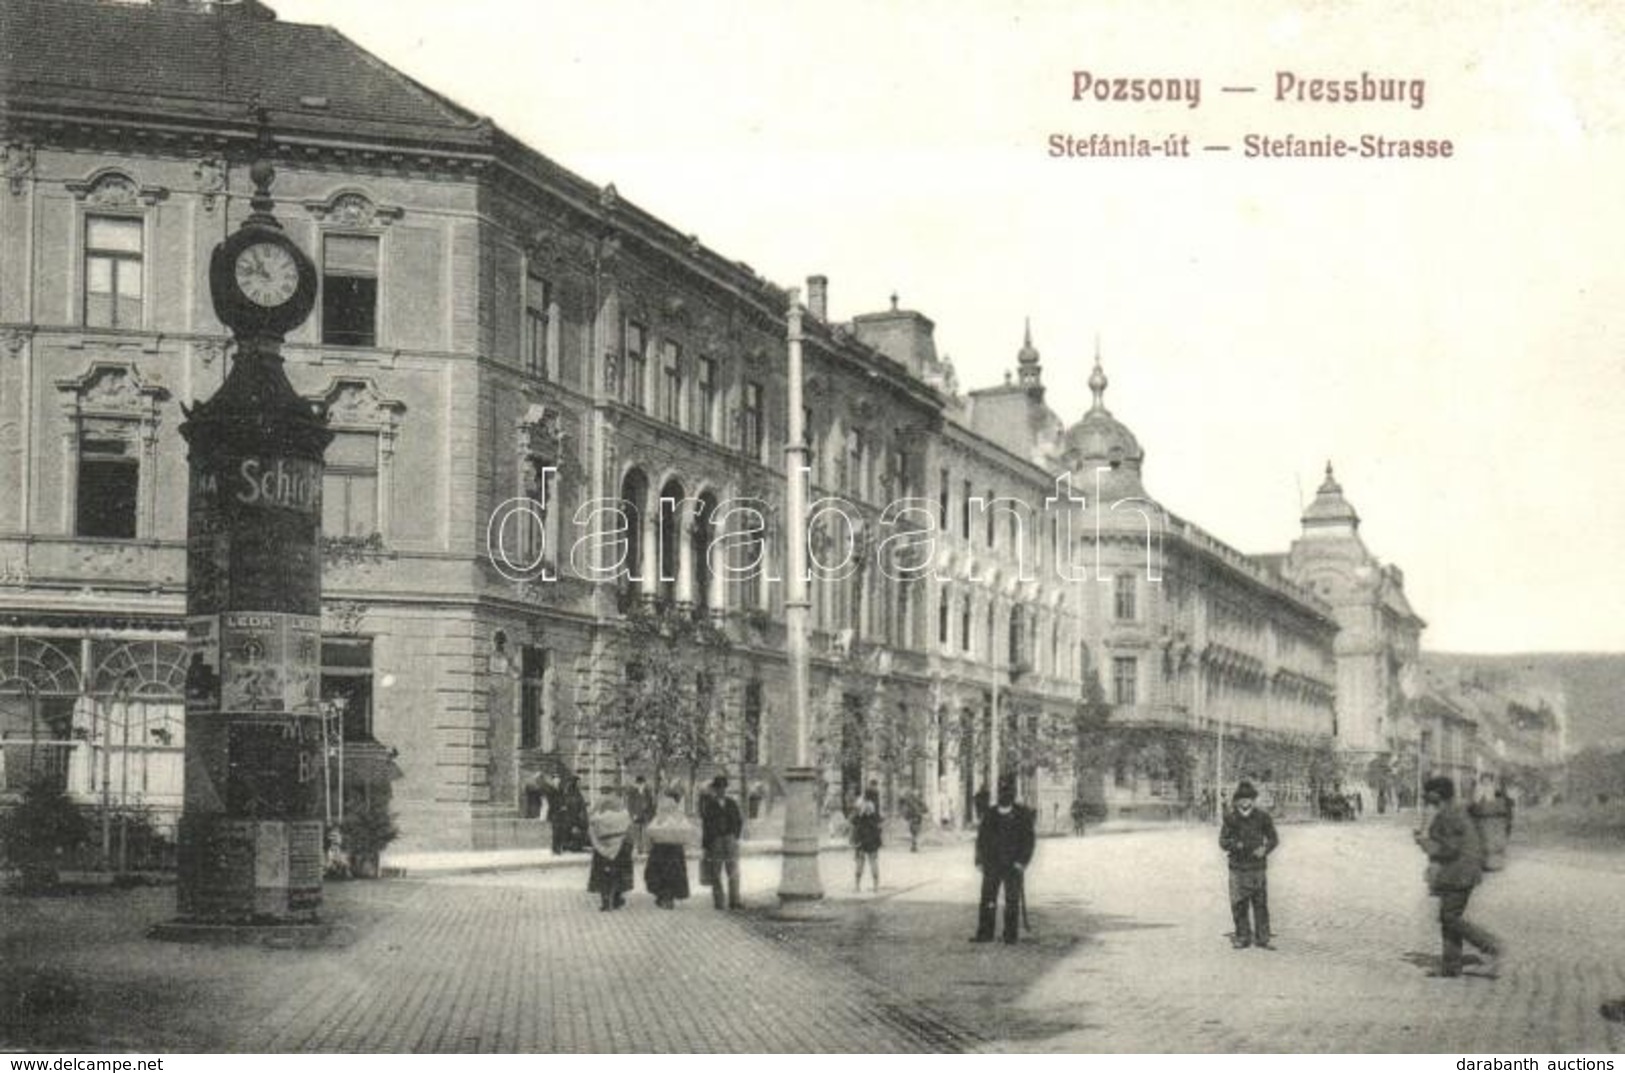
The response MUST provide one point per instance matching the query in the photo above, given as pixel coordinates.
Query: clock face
(266, 274)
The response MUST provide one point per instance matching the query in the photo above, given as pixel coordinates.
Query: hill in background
(1592, 686)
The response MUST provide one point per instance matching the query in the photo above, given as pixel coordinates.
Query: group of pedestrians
(640, 823)
(1460, 844)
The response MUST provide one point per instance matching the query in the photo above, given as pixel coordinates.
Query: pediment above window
(112, 389)
(353, 209)
(110, 188)
(354, 402)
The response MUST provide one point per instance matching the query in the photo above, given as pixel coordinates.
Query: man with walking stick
(1004, 849)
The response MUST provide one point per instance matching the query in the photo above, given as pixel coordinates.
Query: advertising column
(251, 834)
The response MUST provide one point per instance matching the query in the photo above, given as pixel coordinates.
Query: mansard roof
(82, 58)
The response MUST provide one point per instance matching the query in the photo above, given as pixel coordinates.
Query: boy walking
(1247, 835)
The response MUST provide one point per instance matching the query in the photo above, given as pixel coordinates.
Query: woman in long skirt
(669, 834)
(611, 874)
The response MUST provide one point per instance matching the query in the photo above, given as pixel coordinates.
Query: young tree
(666, 710)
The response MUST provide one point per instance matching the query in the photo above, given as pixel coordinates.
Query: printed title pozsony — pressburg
(1289, 86)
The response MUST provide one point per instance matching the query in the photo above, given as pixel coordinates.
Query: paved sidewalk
(451, 965)
(1127, 953)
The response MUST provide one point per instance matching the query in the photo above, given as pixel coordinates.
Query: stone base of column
(240, 871)
(799, 882)
(317, 933)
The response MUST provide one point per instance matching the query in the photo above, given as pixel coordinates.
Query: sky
(1444, 331)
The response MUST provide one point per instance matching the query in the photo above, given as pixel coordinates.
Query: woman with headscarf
(611, 874)
(669, 834)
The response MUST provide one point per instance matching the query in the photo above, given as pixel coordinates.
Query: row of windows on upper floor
(108, 491)
(115, 280)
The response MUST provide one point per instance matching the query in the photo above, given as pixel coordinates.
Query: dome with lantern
(1100, 443)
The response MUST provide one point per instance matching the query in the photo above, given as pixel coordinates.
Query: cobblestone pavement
(448, 965)
(1129, 950)
(1127, 953)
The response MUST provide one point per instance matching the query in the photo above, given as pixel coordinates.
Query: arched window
(703, 534)
(630, 549)
(670, 511)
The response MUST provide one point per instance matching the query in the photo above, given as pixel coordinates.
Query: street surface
(1127, 952)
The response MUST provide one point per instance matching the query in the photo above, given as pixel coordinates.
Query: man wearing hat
(1455, 865)
(1004, 849)
(721, 824)
(1247, 835)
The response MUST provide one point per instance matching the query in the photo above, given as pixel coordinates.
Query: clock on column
(261, 282)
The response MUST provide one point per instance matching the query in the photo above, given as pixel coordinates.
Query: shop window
(347, 682)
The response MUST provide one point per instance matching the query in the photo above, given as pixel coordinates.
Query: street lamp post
(799, 879)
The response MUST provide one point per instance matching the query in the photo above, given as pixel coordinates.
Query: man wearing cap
(1004, 849)
(1247, 835)
(1455, 865)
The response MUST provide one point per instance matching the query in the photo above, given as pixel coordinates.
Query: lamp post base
(799, 882)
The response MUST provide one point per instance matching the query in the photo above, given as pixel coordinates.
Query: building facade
(559, 433)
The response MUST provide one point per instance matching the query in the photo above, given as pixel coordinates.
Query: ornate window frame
(112, 399)
(350, 211)
(113, 193)
(354, 404)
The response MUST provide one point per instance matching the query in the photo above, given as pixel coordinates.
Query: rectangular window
(1125, 679)
(964, 624)
(671, 383)
(350, 290)
(109, 480)
(854, 463)
(705, 398)
(943, 614)
(897, 472)
(991, 516)
(539, 530)
(350, 486)
(753, 722)
(347, 683)
(943, 521)
(113, 270)
(538, 327)
(532, 706)
(964, 520)
(751, 421)
(1124, 603)
(632, 372)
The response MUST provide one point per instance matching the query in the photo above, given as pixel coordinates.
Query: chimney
(818, 296)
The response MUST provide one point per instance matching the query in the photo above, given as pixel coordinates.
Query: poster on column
(271, 662)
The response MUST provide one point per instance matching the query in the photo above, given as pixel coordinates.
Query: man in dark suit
(1004, 849)
(1455, 865)
(721, 824)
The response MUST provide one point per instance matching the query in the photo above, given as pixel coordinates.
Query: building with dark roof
(559, 425)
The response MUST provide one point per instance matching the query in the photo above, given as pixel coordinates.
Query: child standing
(866, 837)
(1248, 837)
